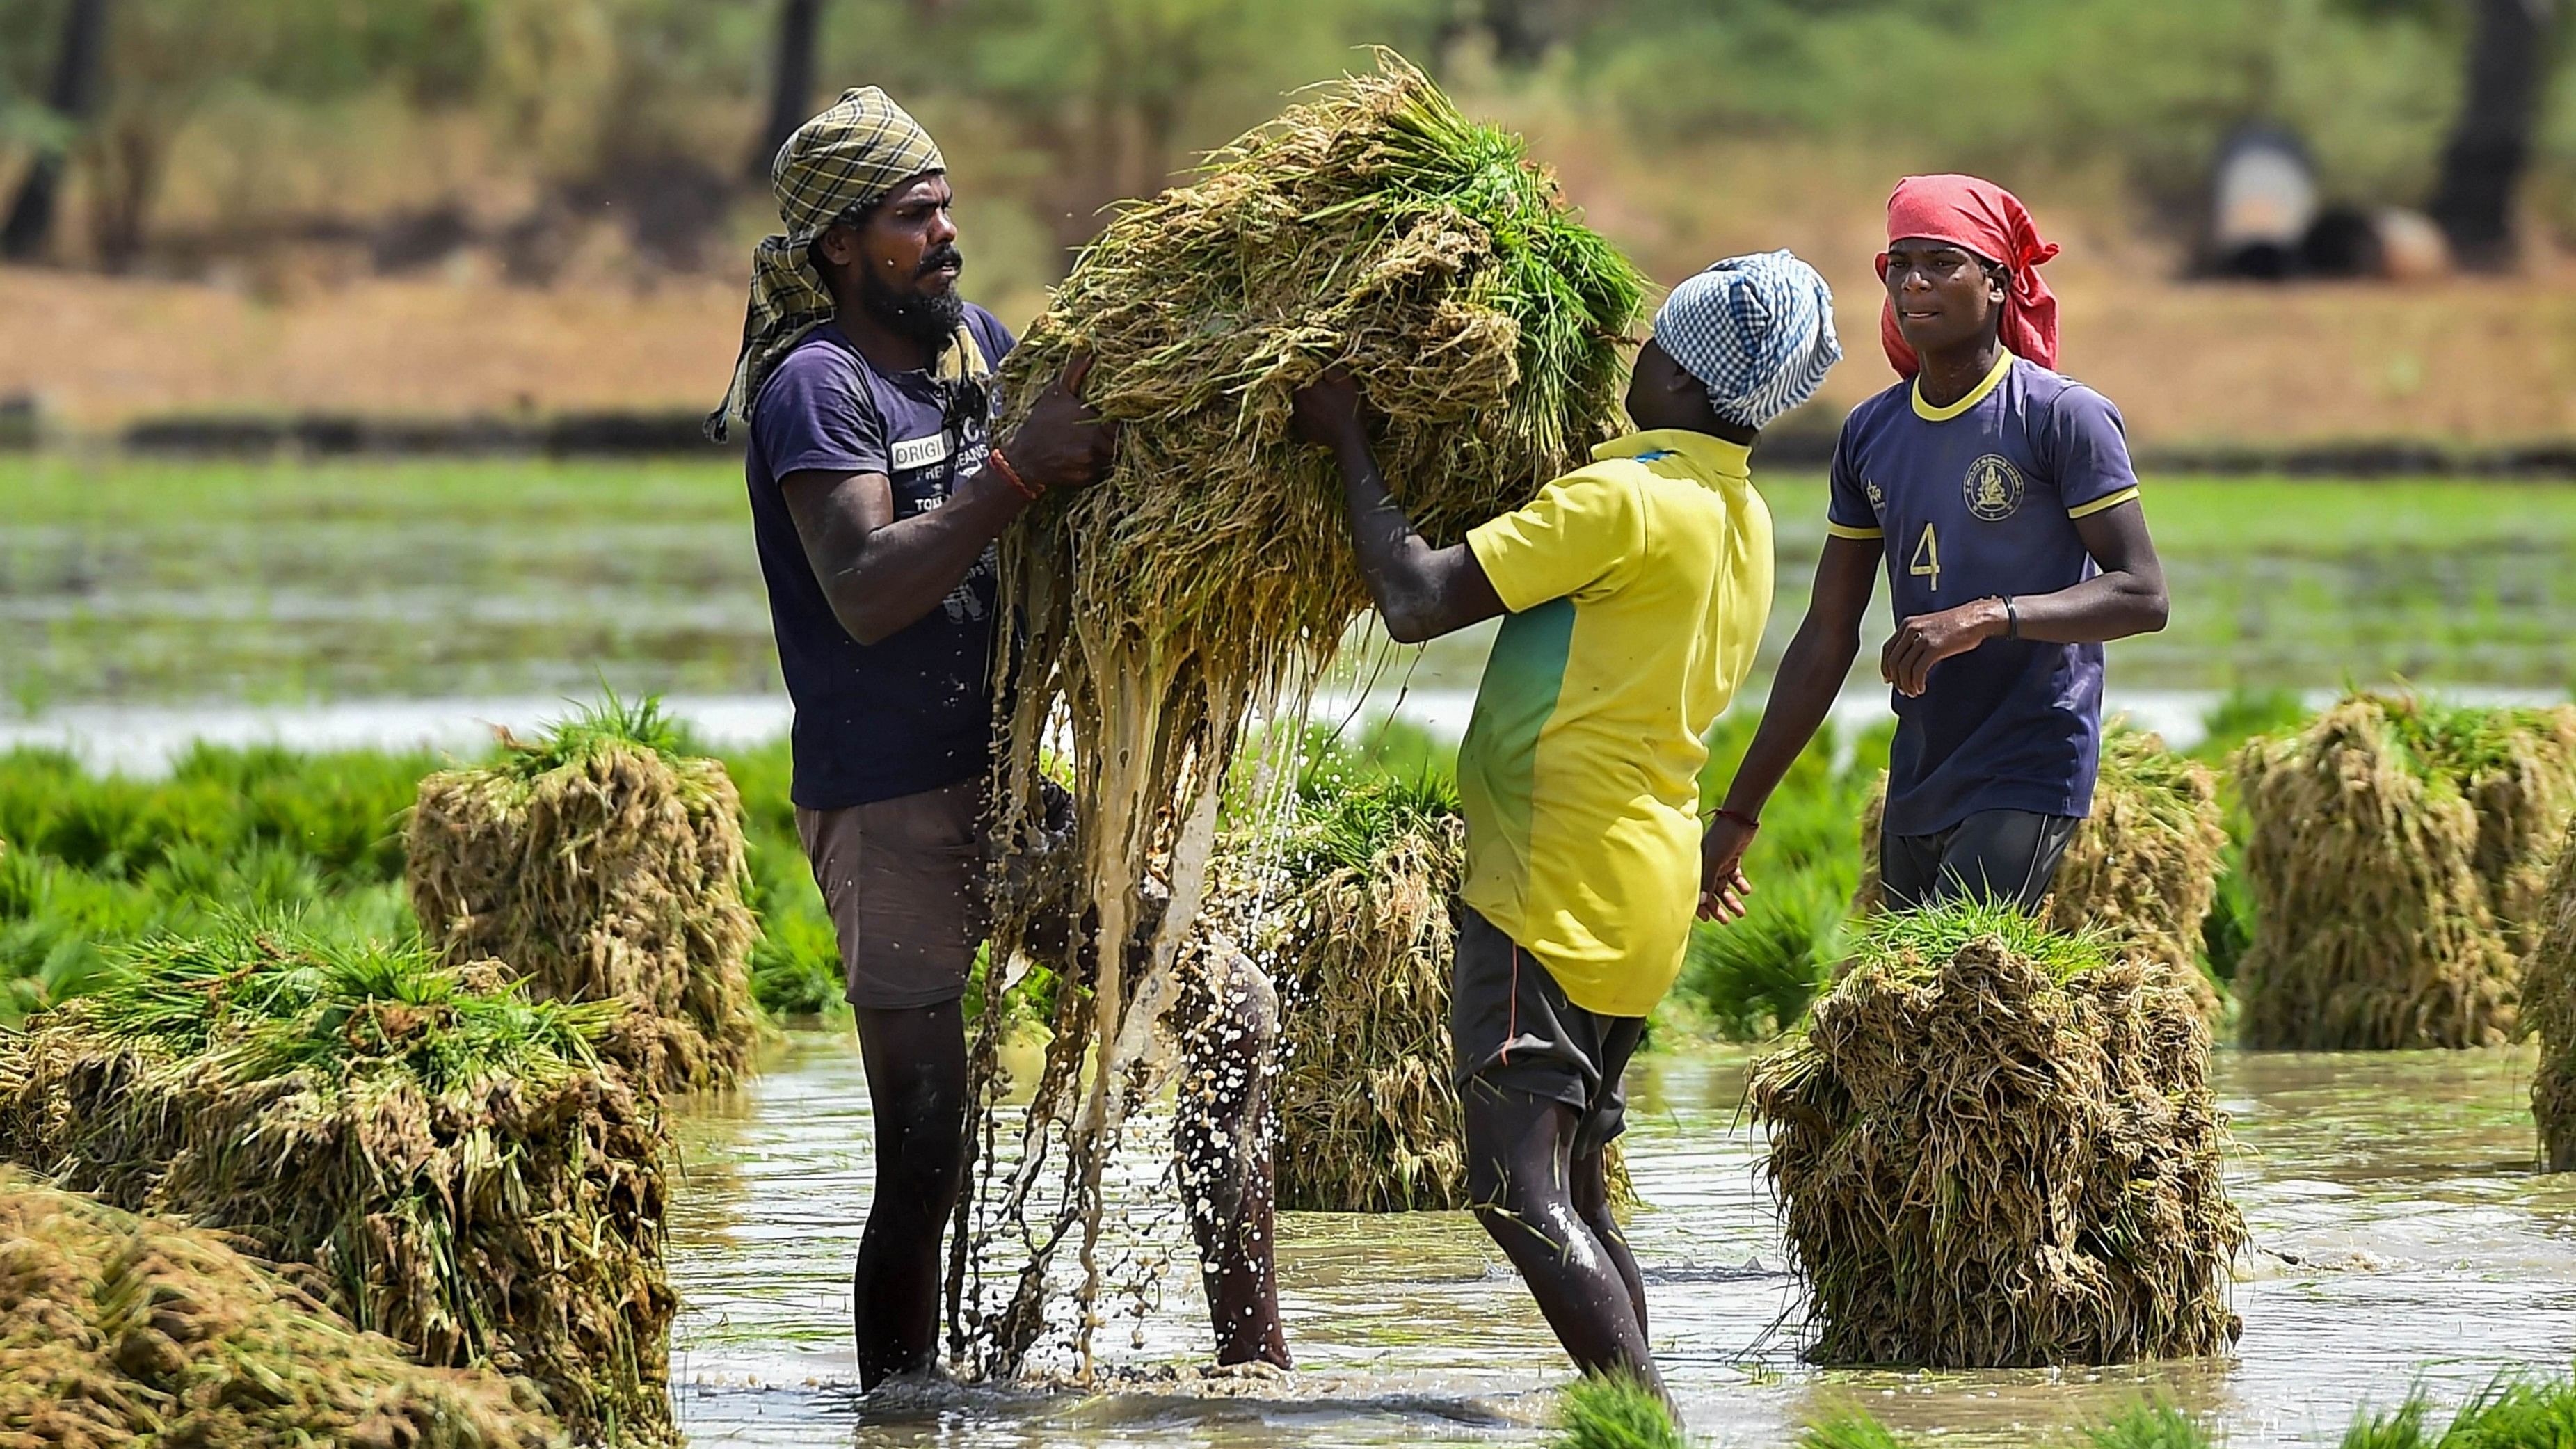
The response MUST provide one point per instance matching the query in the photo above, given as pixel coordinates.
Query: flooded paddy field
(148, 582)
(2399, 1231)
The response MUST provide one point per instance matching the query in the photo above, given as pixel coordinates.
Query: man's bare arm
(880, 573)
(1421, 592)
(1811, 674)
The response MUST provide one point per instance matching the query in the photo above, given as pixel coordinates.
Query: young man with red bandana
(2001, 499)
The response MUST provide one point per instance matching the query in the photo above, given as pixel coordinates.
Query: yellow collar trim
(1976, 395)
(1711, 454)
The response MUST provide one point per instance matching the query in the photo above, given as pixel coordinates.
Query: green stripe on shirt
(1498, 759)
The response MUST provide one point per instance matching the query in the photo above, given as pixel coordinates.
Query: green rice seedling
(2549, 1013)
(1206, 579)
(1851, 1428)
(2142, 869)
(2069, 1083)
(340, 809)
(451, 1157)
(2515, 1410)
(1613, 1412)
(612, 725)
(117, 1329)
(1359, 942)
(1753, 978)
(2150, 1425)
(602, 863)
(2398, 857)
(2404, 1427)
(2243, 714)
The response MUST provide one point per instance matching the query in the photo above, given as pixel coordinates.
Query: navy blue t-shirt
(1975, 500)
(913, 711)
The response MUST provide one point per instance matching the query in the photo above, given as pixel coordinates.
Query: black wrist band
(2012, 619)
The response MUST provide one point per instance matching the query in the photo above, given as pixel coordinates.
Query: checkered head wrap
(841, 161)
(1757, 331)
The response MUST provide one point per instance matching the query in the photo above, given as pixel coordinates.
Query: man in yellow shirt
(1635, 590)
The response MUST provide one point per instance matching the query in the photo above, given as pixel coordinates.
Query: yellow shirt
(1638, 586)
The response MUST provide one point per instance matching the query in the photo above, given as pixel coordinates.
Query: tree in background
(73, 95)
(2490, 149)
(791, 82)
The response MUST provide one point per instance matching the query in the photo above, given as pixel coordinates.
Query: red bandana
(1987, 220)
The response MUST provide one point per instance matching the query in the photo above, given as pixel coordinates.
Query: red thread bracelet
(1739, 817)
(1001, 463)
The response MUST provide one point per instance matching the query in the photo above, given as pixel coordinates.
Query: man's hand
(1327, 410)
(1062, 443)
(1722, 886)
(1927, 639)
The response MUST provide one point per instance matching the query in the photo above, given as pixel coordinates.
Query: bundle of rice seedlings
(118, 1330)
(2549, 1013)
(602, 863)
(1995, 1145)
(2142, 869)
(1372, 227)
(2398, 855)
(1614, 1413)
(451, 1157)
(1360, 947)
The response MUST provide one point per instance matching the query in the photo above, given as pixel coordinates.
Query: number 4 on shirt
(1927, 558)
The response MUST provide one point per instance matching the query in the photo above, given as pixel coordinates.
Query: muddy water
(2398, 1231)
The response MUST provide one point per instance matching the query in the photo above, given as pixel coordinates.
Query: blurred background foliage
(217, 126)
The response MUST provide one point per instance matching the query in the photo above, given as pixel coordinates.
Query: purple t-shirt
(913, 711)
(1975, 500)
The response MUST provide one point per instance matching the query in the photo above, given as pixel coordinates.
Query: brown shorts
(904, 881)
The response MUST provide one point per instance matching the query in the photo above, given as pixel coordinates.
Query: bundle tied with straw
(1360, 945)
(2549, 1013)
(1208, 575)
(118, 1330)
(602, 862)
(2398, 858)
(2143, 867)
(464, 1174)
(1996, 1146)
(1353, 909)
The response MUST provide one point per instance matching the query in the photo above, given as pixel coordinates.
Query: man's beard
(929, 318)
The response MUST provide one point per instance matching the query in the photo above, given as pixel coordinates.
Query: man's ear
(838, 244)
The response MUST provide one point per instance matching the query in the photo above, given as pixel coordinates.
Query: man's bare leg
(1230, 1029)
(1592, 1201)
(1520, 1176)
(916, 1065)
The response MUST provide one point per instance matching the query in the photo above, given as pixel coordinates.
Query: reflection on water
(2397, 1224)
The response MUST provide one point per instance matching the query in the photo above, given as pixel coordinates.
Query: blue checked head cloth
(1757, 331)
(845, 159)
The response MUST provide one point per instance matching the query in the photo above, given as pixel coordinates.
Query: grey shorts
(2004, 855)
(1513, 1029)
(904, 882)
